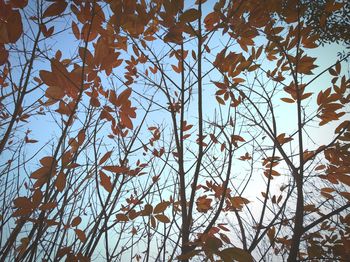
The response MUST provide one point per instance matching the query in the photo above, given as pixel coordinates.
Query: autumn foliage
(164, 130)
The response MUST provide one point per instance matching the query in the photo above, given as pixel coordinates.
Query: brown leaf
(159, 208)
(235, 253)
(271, 234)
(76, 221)
(22, 202)
(153, 222)
(48, 206)
(37, 197)
(60, 182)
(220, 100)
(54, 92)
(346, 195)
(225, 238)
(122, 217)
(80, 234)
(114, 169)
(203, 203)
(40, 173)
(124, 96)
(173, 36)
(188, 255)
(63, 251)
(162, 218)
(306, 95)
(105, 157)
(55, 9)
(81, 137)
(106, 182)
(211, 20)
(147, 210)
(345, 179)
(48, 78)
(47, 161)
(19, 3)
(125, 120)
(75, 30)
(238, 202)
(15, 27)
(287, 100)
(189, 15)
(22, 212)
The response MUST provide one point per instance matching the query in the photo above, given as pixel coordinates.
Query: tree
(164, 130)
(330, 20)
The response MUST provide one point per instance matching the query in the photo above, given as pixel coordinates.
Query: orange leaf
(176, 69)
(282, 139)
